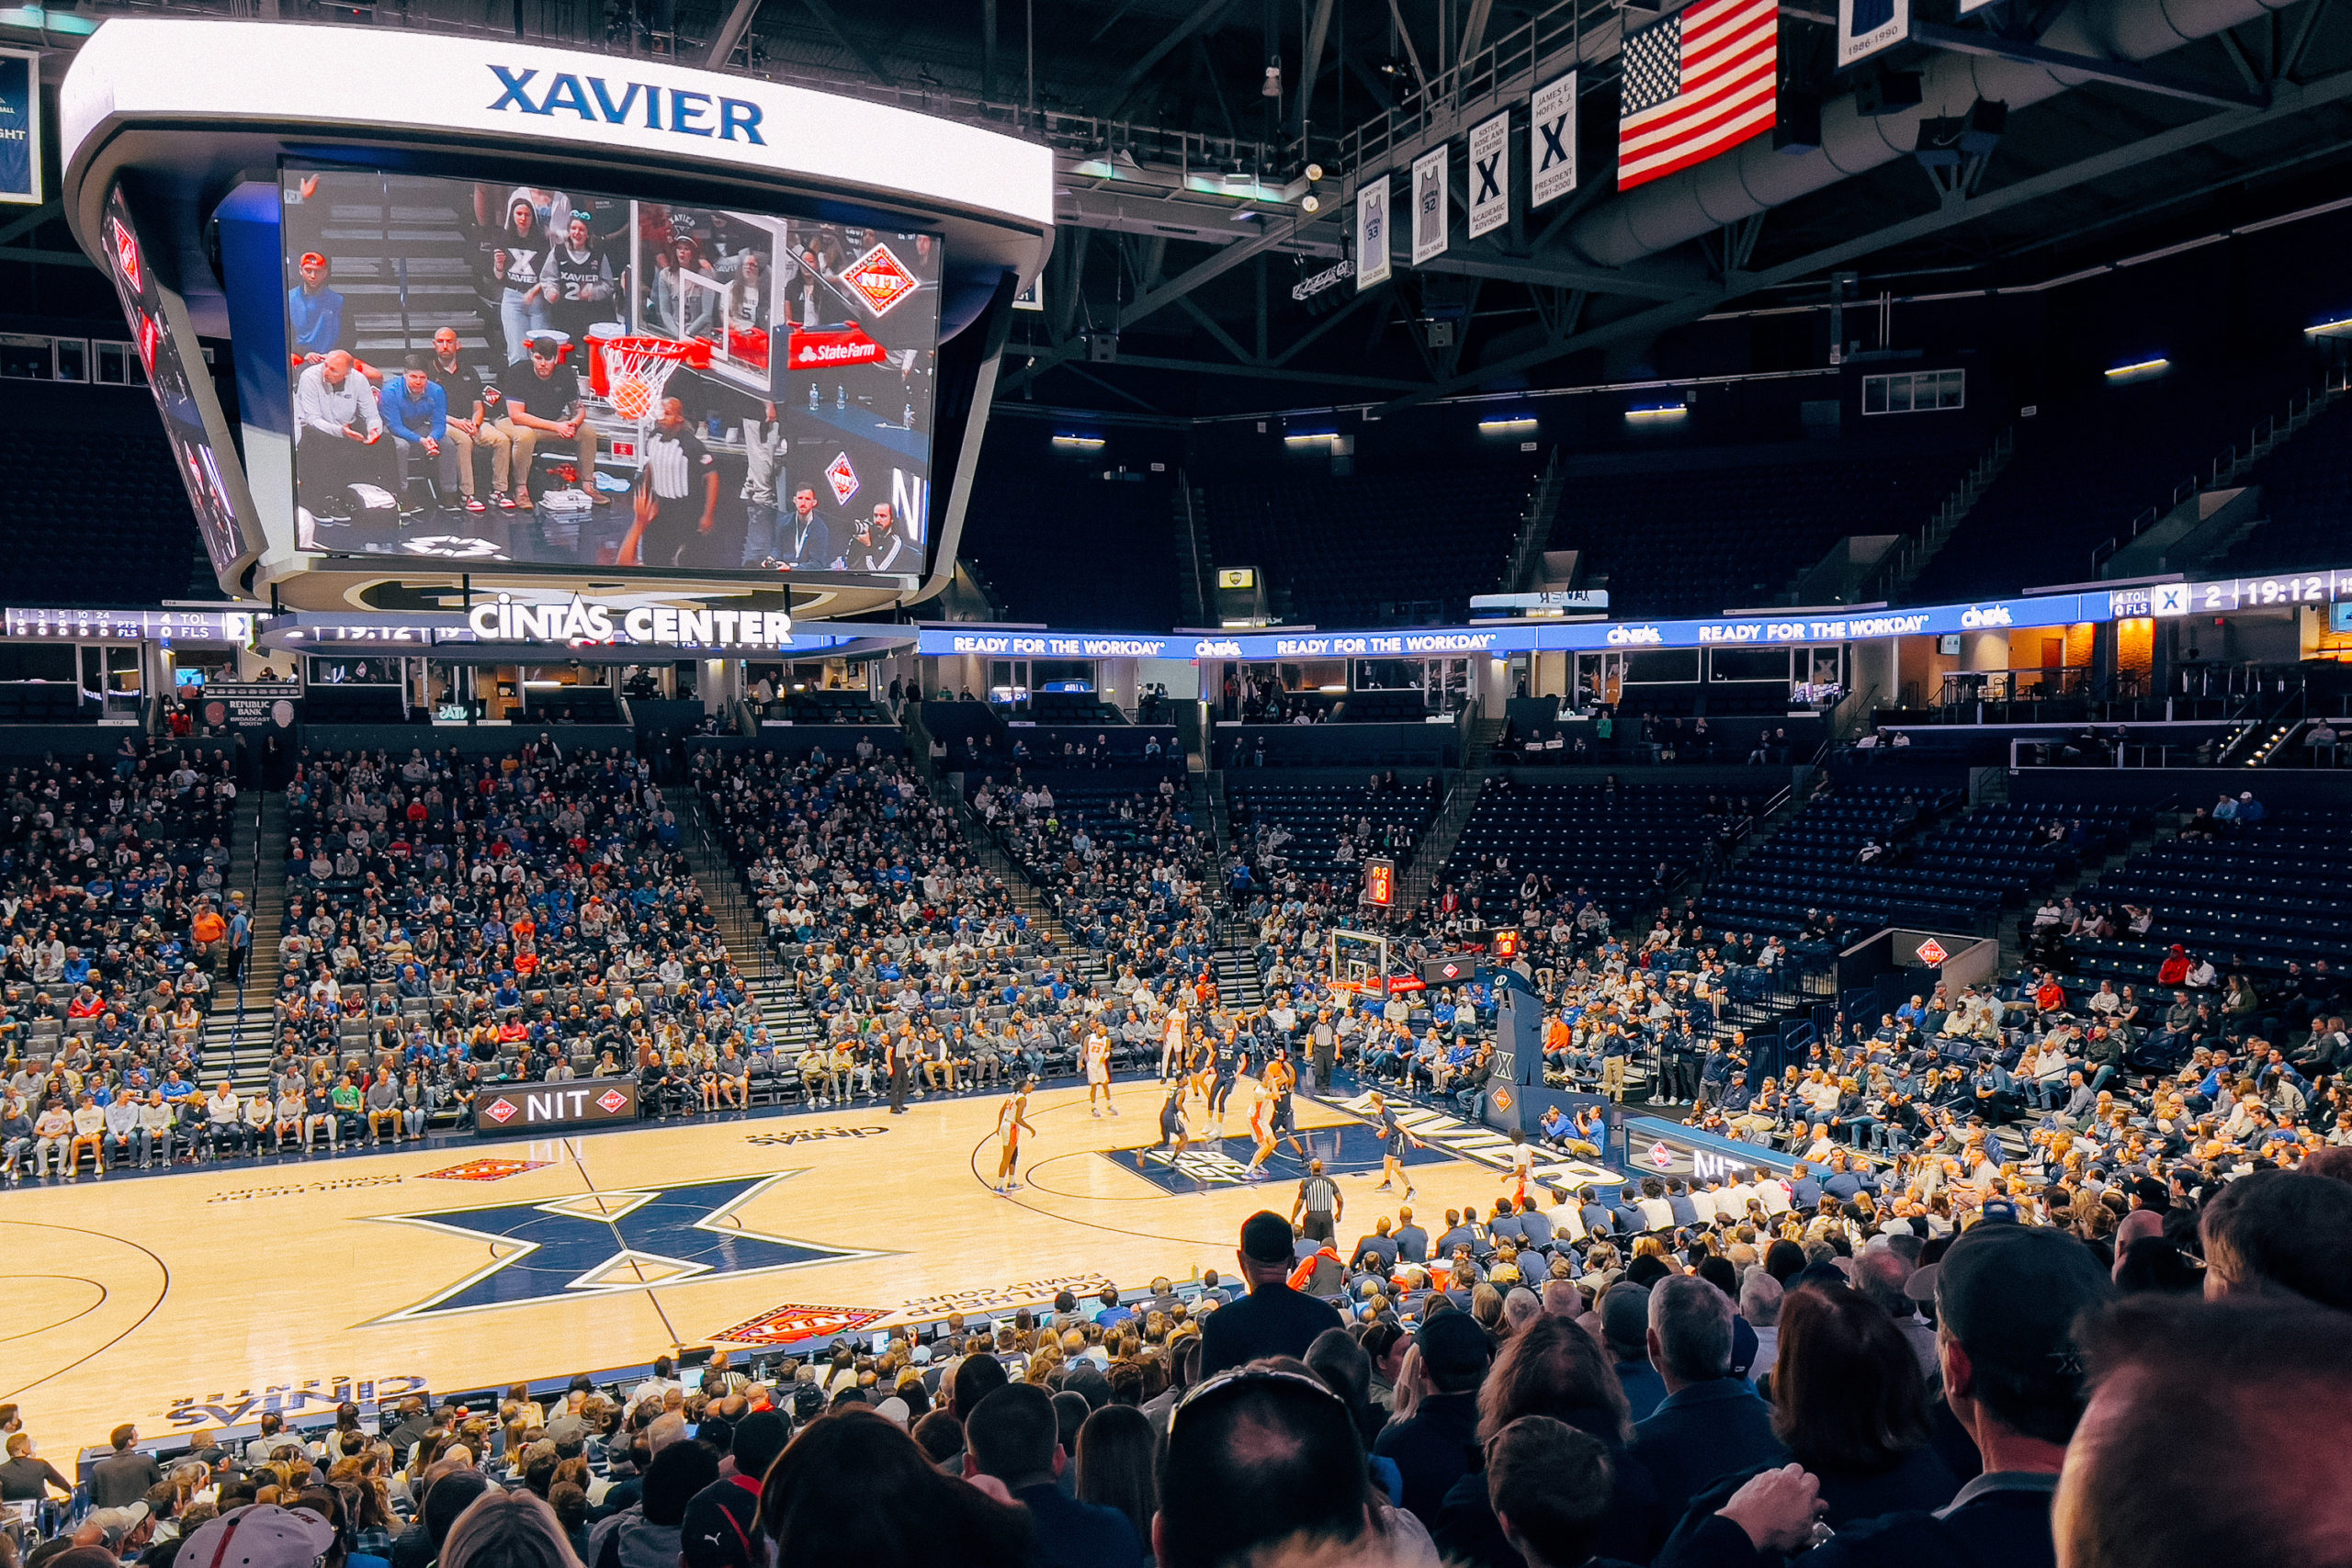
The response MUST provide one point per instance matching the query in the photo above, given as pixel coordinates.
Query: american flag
(1698, 84)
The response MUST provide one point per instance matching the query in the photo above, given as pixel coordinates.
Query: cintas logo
(593, 100)
(1984, 615)
(1621, 636)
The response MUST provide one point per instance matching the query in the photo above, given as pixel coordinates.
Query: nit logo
(501, 1112)
(1661, 1157)
(1504, 1099)
(881, 278)
(612, 1100)
(843, 477)
(782, 1325)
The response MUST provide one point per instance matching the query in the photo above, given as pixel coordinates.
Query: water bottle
(812, 397)
(841, 395)
(909, 421)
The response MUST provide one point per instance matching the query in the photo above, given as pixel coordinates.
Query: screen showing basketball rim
(484, 371)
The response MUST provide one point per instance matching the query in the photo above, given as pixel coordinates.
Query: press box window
(1914, 391)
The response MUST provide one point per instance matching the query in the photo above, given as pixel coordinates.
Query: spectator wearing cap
(1625, 1328)
(260, 1535)
(1432, 1448)
(722, 1519)
(416, 412)
(647, 1534)
(2006, 1299)
(1273, 1319)
(1711, 1421)
(1015, 1437)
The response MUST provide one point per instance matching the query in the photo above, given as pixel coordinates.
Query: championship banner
(1490, 175)
(19, 127)
(1372, 233)
(1552, 140)
(1428, 205)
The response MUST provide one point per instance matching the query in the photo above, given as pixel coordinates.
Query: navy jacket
(1707, 1430)
(1998, 1521)
(1071, 1534)
(1433, 1451)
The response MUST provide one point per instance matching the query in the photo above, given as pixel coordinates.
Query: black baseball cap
(1453, 1347)
(2010, 1294)
(1266, 1238)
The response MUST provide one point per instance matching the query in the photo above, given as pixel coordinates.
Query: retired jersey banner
(1428, 205)
(1868, 27)
(1552, 140)
(19, 127)
(1372, 233)
(1490, 175)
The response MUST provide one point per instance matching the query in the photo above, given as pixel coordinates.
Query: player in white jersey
(1171, 1045)
(1011, 1121)
(1097, 1056)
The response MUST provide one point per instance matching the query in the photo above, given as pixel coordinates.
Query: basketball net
(632, 372)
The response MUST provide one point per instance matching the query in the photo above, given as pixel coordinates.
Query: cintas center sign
(582, 620)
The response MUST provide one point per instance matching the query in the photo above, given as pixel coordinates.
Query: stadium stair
(776, 989)
(1437, 845)
(1239, 983)
(1082, 960)
(405, 266)
(241, 1034)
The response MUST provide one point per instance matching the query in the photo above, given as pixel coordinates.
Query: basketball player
(1394, 1140)
(1011, 1121)
(1284, 1077)
(1171, 1045)
(1261, 1125)
(1522, 1168)
(672, 506)
(1232, 1059)
(1200, 1067)
(1098, 1074)
(1172, 1127)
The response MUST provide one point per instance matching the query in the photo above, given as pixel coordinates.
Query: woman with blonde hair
(508, 1529)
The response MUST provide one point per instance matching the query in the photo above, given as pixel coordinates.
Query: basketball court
(225, 1292)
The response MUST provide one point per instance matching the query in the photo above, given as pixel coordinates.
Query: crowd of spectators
(1509, 1392)
(453, 922)
(118, 922)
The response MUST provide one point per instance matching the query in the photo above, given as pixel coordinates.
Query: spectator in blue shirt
(314, 313)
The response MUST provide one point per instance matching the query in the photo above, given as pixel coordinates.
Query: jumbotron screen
(171, 380)
(488, 371)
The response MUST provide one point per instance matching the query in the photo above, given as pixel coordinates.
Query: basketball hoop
(630, 372)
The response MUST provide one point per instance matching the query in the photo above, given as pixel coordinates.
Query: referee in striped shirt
(677, 491)
(1316, 1212)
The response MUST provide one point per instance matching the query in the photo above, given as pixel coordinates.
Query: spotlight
(1310, 202)
(1313, 172)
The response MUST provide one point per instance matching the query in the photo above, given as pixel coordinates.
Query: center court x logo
(610, 1243)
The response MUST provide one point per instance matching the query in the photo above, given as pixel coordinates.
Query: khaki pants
(527, 442)
(491, 438)
(1612, 1076)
